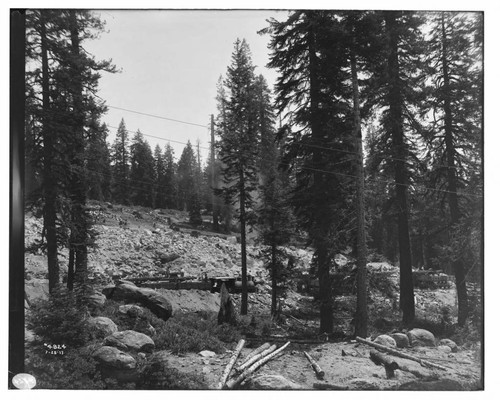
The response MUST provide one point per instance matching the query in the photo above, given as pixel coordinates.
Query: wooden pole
(400, 354)
(255, 358)
(381, 359)
(233, 382)
(256, 351)
(319, 372)
(215, 211)
(230, 364)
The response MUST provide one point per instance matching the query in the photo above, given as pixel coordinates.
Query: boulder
(444, 349)
(270, 382)
(116, 364)
(103, 326)
(96, 299)
(207, 353)
(401, 339)
(130, 340)
(450, 343)
(385, 340)
(149, 298)
(131, 310)
(421, 337)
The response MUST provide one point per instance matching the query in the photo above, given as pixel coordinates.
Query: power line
(157, 116)
(334, 172)
(292, 144)
(158, 137)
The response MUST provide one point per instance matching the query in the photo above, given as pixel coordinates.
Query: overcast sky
(170, 63)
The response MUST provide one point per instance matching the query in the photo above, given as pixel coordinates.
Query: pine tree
(98, 162)
(239, 146)
(61, 70)
(188, 190)
(275, 216)
(455, 139)
(141, 172)
(311, 58)
(121, 165)
(159, 178)
(170, 182)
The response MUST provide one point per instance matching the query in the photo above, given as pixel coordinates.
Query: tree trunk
(227, 313)
(49, 181)
(244, 288)
(77, 184)
(274, 285)
(71, 269)
(457, 264)
(215, 208)
(361, 318)
(407, 302)
(320, 214)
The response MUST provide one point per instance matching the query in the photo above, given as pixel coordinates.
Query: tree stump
(227, 312)
(381, 359)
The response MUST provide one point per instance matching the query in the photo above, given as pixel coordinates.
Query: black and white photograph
(247, 199)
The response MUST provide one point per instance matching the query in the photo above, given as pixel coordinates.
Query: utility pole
(215, 211)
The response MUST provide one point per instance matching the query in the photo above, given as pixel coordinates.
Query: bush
(76, 369)
(181, 339)
(60, 320)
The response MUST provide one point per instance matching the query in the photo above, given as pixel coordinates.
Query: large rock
(131, 310)
(149, 298)
(271, 382)
(450, 343)
(103, 326)
(130, 340)
(385, 340)
(96, 299)
(421, 337)
(116, 364)
(401, 339)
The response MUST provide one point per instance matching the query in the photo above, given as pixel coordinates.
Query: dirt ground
(346, 365)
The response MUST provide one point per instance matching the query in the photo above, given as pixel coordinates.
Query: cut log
(256, 358)
(245, 374)
(400, 354)
(381, 359)
(230, 364)
(227, 312)
(256, 351)
(319, 372)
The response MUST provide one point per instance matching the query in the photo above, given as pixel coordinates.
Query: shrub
(76, 369)
(181, 339)
(60, 320)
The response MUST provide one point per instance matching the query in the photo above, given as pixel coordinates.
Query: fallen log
(230, 364)
(319, 372)
(256, 351)
(245, 374)
(255, 358)
(381, 359)
(400, 354)
(284, 339)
